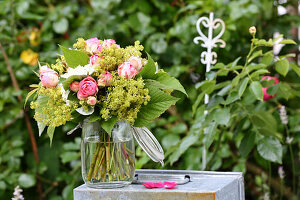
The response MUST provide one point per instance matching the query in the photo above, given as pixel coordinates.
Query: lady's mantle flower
(87, 87)
(92, 45)
(18, 194)
(127, 69)
(105, 79)
(48, 77)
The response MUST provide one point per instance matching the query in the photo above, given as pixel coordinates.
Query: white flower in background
(18, 194)
(281, 172)
(80, 70)
(266, 196)
(283, 115)
(289, 140)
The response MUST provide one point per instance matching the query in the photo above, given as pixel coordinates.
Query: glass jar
(107, 161)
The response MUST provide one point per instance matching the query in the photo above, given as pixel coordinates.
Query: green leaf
(295, 68)
(187, 141)
(284, 90)
(232, 97)
(287, 41)
(109, 124)
(267, 59)
(26, 180)
(273, 89)
(247, 143)
(282, 67)
(158, 104)
(270, 149)
(256, 88)
(243, 86)
(165, 82)
(255, 55)
(29, 94)
(41, 127)
(208, 86)
(69, 156)
(209, 134)
(50, 133)
(259, 72)
(148, 72)
(222, 116)
(74, 58)
(197, 102)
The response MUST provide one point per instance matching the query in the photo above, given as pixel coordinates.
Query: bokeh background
(31, 30)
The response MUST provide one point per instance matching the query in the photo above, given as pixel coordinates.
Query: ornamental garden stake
(209, 57)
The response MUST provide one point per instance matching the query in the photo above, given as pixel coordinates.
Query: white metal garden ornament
(209, 57)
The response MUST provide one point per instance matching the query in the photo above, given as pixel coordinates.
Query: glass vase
(107, 159)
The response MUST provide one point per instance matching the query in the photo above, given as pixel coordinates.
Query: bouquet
(99, 81)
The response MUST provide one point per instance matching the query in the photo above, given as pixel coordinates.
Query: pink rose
(109, 42)
(74, 86)
(267, 96)
(136, 62)
(105, 80)
(91, 100)
(87, 87)
(92, 45)
(127, 69)
(93, 59)
(48, 77)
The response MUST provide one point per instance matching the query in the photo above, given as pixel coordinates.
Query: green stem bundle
(111, 161)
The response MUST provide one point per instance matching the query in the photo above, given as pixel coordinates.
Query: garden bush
(241, 132)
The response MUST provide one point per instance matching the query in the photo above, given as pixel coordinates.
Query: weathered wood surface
(202, 186)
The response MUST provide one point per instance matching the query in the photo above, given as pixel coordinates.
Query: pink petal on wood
(169, 185)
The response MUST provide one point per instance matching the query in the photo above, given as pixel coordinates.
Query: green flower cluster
(125, 98)
(111, 58)
(60, 65)
(50, 109)
(80, 44)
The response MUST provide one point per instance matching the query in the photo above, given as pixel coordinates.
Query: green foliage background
(166, 29)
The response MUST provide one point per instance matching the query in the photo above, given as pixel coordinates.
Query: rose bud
(105, 79)
(127, 69)
(136, 62)
(91, 100)
(267, 96)
(48, 77)
(252, 30)
(92, 45)
(109, 42)
(87, 87)
(74, 86)
(93, 59)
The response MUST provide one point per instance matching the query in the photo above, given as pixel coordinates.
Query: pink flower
(159, 185)
(105, 80)
(127, 69)
(87, 87)
(91, 100)
(109, 42)
(169, 185)
(94, 58)
(48, 77)
(136, 62)
(267, 96)
(74, 86)
(92, 45)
